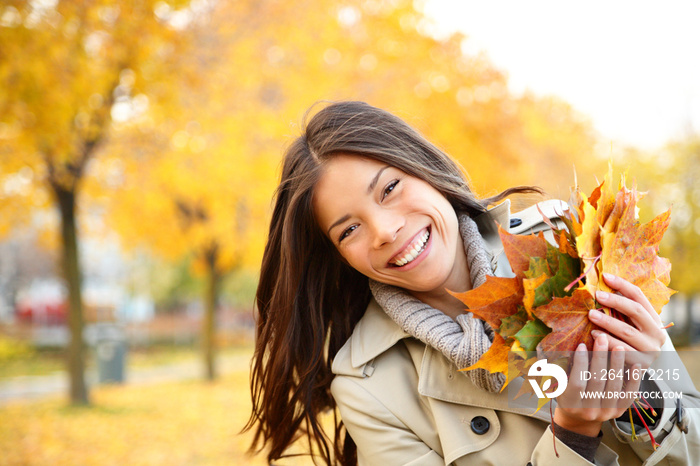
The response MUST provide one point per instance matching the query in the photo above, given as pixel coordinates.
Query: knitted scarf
(462, 341)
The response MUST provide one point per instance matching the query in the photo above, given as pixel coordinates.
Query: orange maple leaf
(519, 364)
(529, 286)
(568, 319)
(495, 359)
(520, 248)
(589, 246)
(495, 299)
(631, 252)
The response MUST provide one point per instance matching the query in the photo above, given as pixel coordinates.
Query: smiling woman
(391, 227)
(373, 227)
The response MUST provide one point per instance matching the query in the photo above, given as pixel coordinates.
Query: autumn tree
(669, 178)
(64, 66)
(195, 156)
(384, 53)
(194, 175)
(203, 182)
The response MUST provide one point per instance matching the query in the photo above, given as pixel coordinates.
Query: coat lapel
(440, 379)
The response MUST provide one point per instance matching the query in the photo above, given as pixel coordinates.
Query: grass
(182, 423)
(39, 364)
(48, 362)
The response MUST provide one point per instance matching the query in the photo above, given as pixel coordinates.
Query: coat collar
(376, 332)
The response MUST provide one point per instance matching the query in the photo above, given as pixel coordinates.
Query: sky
(632, 66)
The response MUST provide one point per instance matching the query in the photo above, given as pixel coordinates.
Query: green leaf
(532, 333)
(512, 324)
(568, 269)
(553, 258)
(538, 266)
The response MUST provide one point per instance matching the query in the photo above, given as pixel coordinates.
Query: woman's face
(390, 226)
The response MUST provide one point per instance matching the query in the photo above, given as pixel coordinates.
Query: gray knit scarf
(462, 341)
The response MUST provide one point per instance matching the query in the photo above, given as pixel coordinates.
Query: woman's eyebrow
(376, 179)
(337, 222)
(371, 187)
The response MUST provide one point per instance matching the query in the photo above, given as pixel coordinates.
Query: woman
(372, 225)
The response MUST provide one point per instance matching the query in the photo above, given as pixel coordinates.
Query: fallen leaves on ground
(175, 423)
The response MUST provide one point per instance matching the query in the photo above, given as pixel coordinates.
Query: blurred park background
(140, 146)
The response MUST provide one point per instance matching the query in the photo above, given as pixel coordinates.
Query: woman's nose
(386, 229)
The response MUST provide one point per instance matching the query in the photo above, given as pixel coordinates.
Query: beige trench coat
(404, 403)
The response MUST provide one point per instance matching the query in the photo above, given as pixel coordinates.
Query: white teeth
(415, 250)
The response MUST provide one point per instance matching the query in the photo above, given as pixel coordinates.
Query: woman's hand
(630, 346)
(585, 415)
(645, 334)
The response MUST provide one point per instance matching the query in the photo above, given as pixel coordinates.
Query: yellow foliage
(215, 100)
(175, 423)
(208, 176)
(63, 66)
(669, 175)
(13, 349)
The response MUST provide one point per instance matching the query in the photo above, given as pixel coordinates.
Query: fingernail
(594, 314)
(595, 333)
(618, 348)
(602, 294)
(581, 347)
(609, 277)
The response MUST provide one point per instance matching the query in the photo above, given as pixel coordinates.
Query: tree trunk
(75, 356)
(208, 323)
(689, 324)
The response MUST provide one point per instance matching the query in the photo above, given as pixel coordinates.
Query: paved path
(41, 386)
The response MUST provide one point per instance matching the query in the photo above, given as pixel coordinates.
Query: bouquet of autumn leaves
(545, 307)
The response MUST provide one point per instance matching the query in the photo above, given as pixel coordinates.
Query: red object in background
(45, 313)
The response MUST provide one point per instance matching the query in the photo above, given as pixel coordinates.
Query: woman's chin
(421, 286)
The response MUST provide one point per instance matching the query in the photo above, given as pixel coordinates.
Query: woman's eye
(389, 188)
(347, 232)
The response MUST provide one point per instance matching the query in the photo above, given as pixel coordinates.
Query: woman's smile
(413, 254)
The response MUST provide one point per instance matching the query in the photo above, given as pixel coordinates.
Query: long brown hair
(308, 299)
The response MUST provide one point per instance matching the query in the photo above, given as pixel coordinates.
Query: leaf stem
(651, 436)
(651, 419)
(653, 411)
(554, 436)
(580, 277)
